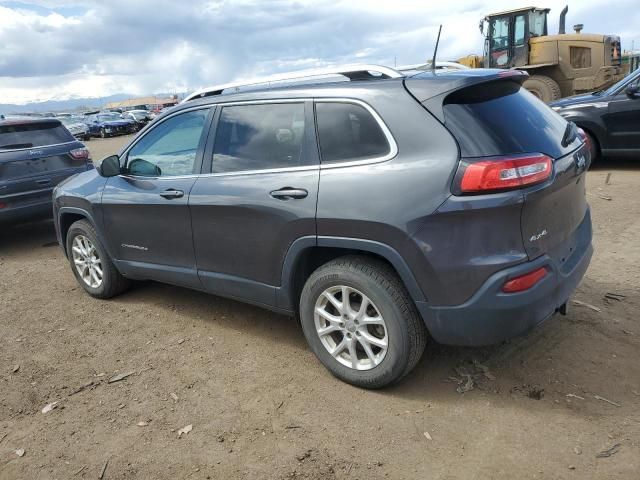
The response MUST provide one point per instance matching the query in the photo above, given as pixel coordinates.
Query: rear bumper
(26, 212)
(491, 316)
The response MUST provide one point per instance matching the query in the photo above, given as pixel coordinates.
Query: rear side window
(347, 132)
(501, 118)
(259, 137)
(30, 135)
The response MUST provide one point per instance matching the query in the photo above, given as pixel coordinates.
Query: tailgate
(552, 215)
(32, 170)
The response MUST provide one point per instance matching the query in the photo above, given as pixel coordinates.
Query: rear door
(146, 213)
(500, 119)
(259, 197)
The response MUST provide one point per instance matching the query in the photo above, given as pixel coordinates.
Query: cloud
(58, 48)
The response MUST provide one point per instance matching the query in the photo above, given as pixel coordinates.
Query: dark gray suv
(380, 209)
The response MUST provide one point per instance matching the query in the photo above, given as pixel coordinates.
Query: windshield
(537, 24)
(70, 120)
(616, 86)
(109, 117)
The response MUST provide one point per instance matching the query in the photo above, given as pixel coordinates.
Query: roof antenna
(435, 50)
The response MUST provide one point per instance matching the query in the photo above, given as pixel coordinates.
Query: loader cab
(507, 36)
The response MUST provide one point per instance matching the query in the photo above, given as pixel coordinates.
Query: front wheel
(361, 323)
(103, 133)
(91, 264)
(543, 87)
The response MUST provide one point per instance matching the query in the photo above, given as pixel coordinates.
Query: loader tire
(543, 87)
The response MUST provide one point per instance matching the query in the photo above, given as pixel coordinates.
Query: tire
(112, 282)
(103, 133)
(86, 138)
(543, 87)
(403, 328)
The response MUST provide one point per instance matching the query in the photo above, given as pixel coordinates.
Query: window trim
(216, 108)
(393, 146)
(199, 152)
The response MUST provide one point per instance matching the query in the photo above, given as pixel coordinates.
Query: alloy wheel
(87, 261)
(351, 327)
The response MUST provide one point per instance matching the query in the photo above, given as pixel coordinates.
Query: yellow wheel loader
(558, 65)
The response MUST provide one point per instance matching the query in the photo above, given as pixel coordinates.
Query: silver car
(76, 127)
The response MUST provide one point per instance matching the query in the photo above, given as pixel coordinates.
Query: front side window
(259, 137)
(348, 132)
(499, 34)
(518, 36)
(169, 149)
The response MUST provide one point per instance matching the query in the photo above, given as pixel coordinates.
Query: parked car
(109, 124)
(610, 118)
(77, 127)
(379, 210)
(139, 117)
(35, 155)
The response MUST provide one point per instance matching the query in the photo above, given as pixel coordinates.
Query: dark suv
(35, 155)
(379, 210)
(610, 118)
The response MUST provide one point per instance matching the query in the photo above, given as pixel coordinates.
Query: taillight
(3, 205)
(80, 154)
(502, 173)
(524, 282)
(585, 138)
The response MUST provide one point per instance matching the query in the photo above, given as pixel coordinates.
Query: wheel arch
(308, 253)
(67, 216)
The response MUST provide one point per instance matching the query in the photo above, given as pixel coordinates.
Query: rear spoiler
(431, 88)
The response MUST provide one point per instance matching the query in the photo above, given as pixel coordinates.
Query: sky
(56, 49)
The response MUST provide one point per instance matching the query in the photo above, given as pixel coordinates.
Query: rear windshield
(29, 135)
(501, 118)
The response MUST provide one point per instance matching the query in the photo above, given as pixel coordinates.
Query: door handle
(171, 193)
(288, 193)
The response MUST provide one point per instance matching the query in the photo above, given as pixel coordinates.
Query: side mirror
(143, 168)
(632, 91)
(110, 166)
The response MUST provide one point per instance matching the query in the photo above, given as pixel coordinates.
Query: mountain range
(67, 104)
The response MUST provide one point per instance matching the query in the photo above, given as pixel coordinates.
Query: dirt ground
(262, 407)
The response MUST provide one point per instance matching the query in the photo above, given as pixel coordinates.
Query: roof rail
(427, 66)
(352, 72)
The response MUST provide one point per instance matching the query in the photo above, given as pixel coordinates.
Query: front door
(499, 42)
(259, 198)
(146, 213)
(623, 122)
(520, 41)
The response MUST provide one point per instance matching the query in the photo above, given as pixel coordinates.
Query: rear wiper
(570, 134)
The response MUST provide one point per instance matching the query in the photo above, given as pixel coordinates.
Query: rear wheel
(360, 322)
(91, 264)
(543, 87)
